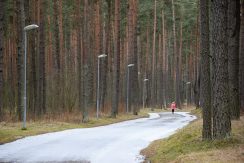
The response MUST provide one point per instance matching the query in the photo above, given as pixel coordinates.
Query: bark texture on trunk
(20, 60)
(153, 82)
(241, 57)
(42, 63)
(56, 51)
(175, 63)
(79, 68)
(233, 56)
(1, 56)
(116, 70)
(205, 85)
(221, 107)
(85, 64)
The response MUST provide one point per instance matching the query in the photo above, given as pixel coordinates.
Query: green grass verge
(188, 140)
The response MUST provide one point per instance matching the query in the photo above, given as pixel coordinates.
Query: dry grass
(186, 146)
(225, 155)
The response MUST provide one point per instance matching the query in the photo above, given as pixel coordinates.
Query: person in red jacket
(173, 106)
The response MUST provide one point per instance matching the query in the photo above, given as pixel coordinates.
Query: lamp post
(144, 83)
(26, 28)
(98, 80)
(187, 83)
(128, 78)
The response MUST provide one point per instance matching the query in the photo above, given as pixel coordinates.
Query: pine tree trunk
(166, 69)
(2, 5)
(85, 65)
(180, 59)
(147, 92)
(42, 63)
(130, 53)
(175, 62)
(212, 58)
(78, 20)
(56, 53)
(139, 68)
(61, 54)
(116, 70)
(147, 51)
(104, 67)
(241, 61)
(163, 63)
(221, 107)
(56, 38)
(90, 59)
(233, 56)
(21, 22)
(153, 96)
(205, 84)
(33, 99)
(197, 69)
(134, 70)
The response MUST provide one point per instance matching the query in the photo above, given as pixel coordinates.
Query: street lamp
(26, 28)
(144, 82)
(187, 83)
(98, 80)
(128, 78)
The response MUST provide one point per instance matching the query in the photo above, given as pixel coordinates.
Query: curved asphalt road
(116, 143)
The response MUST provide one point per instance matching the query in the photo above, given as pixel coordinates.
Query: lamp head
(102, 56)
(30, 27)
(130, 65)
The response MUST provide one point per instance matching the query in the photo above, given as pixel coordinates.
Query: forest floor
(186, 145)
(10, 131)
